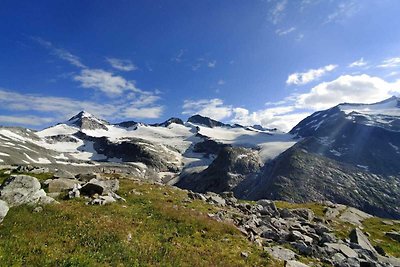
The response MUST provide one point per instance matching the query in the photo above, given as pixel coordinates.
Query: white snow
(387, 107)
(60, 129)
(4, 154)
(394, 147)
(39, 160)
(13, 136)
(271, 144)
(335, 152)
(316, 126)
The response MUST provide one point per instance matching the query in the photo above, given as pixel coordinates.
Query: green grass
(376, 228)
(165, 230)
(318, 209)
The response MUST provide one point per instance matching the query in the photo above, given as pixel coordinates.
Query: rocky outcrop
(305, 234)
(61, 185)
(169, 122)
(227, 171)
(198, 119)
(86, 121)
(22, 189)
(300, 176)
(99, 191)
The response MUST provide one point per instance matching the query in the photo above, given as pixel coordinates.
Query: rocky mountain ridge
(347, 154)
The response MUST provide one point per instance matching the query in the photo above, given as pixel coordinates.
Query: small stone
(244, 254)
(38, 209)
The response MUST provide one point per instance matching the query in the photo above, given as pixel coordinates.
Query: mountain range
(347, 154)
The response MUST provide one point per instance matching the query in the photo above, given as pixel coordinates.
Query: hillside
(160, 225)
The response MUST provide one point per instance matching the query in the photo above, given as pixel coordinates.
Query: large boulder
(281, 253)
(3, 210)
(61, 184)
(23, 189)
(358, 237)
(101, 187)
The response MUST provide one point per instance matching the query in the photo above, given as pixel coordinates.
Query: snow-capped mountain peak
(390, 106)
(86, 121)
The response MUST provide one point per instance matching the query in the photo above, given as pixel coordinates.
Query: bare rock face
(358, 237)
(23, 189)
(232, 166)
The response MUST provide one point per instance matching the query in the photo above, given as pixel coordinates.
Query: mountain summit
(86, 121)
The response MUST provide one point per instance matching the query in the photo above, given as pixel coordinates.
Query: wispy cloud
(390, 63)
(121, 64)
(282, 32)
(178, 57)
(221, 82)
(127, 99)
(55, 109)
(108, 83)
(60, 53)
(277, 11)
(25, 120)
(212, 64)
(300, 78)
(344, 11)
(213, 108)
(358, 63)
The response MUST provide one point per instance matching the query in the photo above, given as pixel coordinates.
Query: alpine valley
(347, 154)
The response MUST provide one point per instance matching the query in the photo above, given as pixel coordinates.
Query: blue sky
(269, 62)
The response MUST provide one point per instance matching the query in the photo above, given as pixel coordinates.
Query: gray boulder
(3, 210)
(61, 184)
(344, 249)
(23, 189)
(306, 214)
(91, 189)
(86, 177)
(281, 253)
(215, 199)
(358, 237)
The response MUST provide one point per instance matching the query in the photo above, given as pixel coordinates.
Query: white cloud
(344, 11)
(121, 64)
(278, 11)
(56, 109)
(221, 82)
(358, 63)
(25, 120)
(212, 64)
(213, 108)
(140, 113)
(286, 113)
(390, 63)
(179, 57)
(353, 89)
(279, 117)
(60, 53)
(300, 78)
(282, 32)
(283, 119)
(107, 82)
